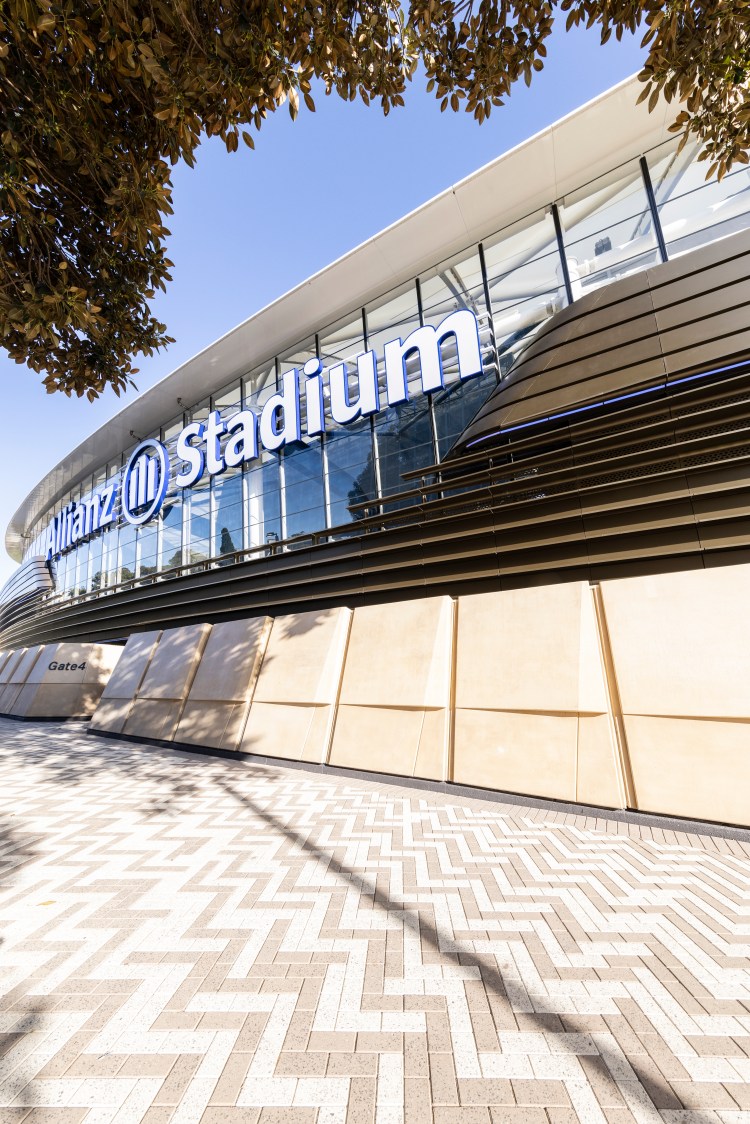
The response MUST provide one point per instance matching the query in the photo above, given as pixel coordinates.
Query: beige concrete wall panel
(71, 700)
(18, 676)
(689, 767)
(520, 649)
(153, 718)
(14, 659)
(298, 686)
(597, 779)
(25, 665)
(217, 725)
(535, 754)
(104, 660)
(230, 661)
(295, 732)
(302, 663)
(131, 667)
(399, 654)
(8, 696)
(592, 686)
(679, 642)
(99, 660)
(431, 760)
(174, 664)
(381, 739)
(110, 715)
(59, 654)
(66, 681)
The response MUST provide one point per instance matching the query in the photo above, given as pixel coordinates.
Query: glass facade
(323, 485)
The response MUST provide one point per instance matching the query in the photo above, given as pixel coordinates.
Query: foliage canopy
(99, 98)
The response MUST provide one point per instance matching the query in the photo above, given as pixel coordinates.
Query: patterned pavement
(194, 939)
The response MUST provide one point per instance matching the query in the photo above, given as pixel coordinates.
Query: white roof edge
(308, 306)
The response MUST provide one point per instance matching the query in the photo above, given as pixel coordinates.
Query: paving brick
(234, 944)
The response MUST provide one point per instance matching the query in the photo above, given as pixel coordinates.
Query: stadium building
(511, 430)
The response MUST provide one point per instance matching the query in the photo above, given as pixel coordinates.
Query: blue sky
(249, 226)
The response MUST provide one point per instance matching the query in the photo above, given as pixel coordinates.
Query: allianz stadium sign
(213, 446)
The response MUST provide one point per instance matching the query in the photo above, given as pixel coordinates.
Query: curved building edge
(589, 141)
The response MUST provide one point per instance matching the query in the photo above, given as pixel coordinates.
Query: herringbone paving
(188, 938)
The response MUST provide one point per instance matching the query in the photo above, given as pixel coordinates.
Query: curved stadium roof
(589, 142)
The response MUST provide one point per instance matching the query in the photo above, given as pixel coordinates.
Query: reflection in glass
(126, 553)
(171, 535)
(303, 488)
(199, 539)
(264, 500)
(608, 231)
(694, 212)
(351, 470)
(227, 537)
(525, 282)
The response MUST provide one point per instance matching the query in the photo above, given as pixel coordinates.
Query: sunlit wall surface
(513, 281)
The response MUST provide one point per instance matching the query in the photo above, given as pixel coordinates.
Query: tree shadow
(17, 850)
(53, 749)
(421, 925)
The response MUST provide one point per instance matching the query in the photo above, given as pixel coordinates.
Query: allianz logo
(220, 443)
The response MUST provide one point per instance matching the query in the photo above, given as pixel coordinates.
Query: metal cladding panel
(633, 334)
(635, 460)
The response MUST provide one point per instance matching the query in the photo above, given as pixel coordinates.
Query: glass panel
(404, 441)
(148, 548)
(228, 400)
(608, 230)
(453, 285)
(457, 406)
(171, 534)
(403, 432)
(304, 499)
(200, 411)
(264, 501)
(228, 519)
(259, 385)
(95, 564)
(82, 553)
(351, 470)
(349, 448)
(199, 539)
(109, 557)
(126, 551)
(524, 276)
(694, 212)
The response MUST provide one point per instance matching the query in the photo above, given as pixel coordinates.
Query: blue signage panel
(220, 443)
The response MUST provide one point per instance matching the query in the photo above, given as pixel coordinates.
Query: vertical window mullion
(373, 431)
(656, 220)
(488, 303)
(561, 252)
